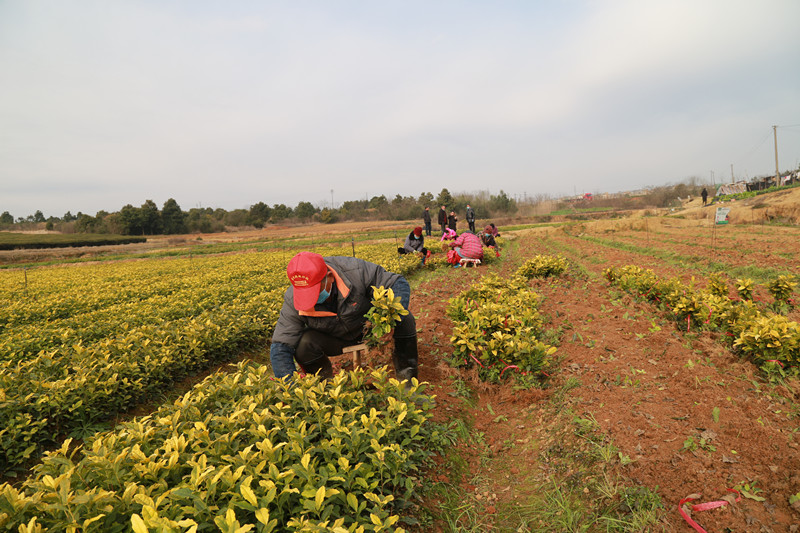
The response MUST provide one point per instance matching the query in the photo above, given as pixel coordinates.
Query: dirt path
(652, 388)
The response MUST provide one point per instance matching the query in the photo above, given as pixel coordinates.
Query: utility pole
(732, 178)
(331, 199)
(777, 170)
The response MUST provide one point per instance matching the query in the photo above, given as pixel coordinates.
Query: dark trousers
(428, 229)
(315, 347)
(471, 225)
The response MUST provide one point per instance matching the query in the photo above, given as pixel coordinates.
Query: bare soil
(647, 381)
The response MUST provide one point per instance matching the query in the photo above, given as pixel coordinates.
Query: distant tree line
(148, 219)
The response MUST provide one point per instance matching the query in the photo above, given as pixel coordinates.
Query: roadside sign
(722, 215)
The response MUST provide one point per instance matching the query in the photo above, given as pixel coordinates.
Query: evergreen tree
(129, 220)
(280, 212)
(304, 210)
(444, 198)
(173, 218)
(151, 218)
(259, 214)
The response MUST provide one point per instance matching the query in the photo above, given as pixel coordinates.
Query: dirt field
(648, 383)
(645, 382)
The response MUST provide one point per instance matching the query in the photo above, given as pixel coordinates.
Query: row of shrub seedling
(243, 452)
(99, 359)
(755, 331)
(497, 324)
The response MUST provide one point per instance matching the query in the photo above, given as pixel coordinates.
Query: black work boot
(405, 358)
(321, 365)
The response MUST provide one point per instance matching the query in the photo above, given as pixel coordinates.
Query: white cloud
(228, 105)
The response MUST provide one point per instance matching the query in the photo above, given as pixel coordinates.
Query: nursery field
(591, 378)
(675, 406)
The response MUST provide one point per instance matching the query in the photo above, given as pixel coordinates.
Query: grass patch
(576, 484)
(759, 274)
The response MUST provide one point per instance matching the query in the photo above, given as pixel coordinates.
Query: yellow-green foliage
(497, 322)
(542, 266)
(744, 288)
(80, 344)
(759, 334)
(385, 313)
(771, 337)
(244, 452)
(782, 288)
(717, 285)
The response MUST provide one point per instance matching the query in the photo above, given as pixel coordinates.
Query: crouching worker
(415, 243)
(323, 312)
(487, 238)
(467, 246)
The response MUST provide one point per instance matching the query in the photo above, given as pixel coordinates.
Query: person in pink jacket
(468, 245)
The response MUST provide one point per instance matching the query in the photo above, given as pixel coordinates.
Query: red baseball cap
(418, 231)
(306, 271)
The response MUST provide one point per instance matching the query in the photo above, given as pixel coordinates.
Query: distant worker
(704, 194)
(443, 218)
(452, 221)
(323, 312)
(471, 218)
(426, 219)
(491, 228)
(487, 238)
(448, 234)
(415, 243)
(467, 246)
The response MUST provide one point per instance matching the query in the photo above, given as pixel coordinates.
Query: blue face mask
(323, 295)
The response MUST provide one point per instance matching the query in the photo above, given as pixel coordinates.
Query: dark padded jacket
(354, 280)
(470, 215)
(414, 245)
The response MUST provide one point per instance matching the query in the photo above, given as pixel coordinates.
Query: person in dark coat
(415, 243)
(323, 312)
(426, 218)
(443, 219)
(704, 194)
(471, 218)
(452, 220)
(487, 237)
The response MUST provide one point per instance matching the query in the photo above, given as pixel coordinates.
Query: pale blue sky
(224, 104)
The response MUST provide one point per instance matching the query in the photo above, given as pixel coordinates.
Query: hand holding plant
(385, 313)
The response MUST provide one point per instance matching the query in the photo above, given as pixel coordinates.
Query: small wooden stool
(467, 262)
(358, 351)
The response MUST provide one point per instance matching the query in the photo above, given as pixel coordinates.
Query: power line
(757, 146)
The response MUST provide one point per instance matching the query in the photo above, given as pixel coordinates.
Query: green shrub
(542, 266)
(239, 450)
